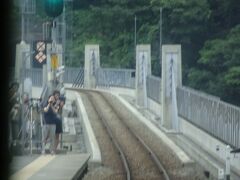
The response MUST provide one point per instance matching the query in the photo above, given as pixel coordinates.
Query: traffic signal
(53, 8)
(40, 53)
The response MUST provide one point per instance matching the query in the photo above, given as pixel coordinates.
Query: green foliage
(208, 31)
(109, 27)
(232, 77)
(232, 85)
(112, 23)
(199, 78)
(220, 57)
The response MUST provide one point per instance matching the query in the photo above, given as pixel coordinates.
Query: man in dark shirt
(49, 128)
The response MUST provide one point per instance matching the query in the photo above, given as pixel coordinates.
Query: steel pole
(160, 36)
(135, 33)
(22, 18)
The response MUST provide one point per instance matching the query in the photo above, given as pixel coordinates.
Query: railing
(115, 77)
(70, 74)
(220, 119)
(44, 94)
(79, 79)
(207, 112)
(35, 75)
(154, 88)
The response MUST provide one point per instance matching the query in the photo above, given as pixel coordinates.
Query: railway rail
(126, 161)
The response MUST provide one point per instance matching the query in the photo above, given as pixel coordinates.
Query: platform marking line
(32, 168)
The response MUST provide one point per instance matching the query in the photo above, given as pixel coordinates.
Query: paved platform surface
(49, 167)
(20, 162)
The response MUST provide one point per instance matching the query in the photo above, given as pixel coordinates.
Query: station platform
(49, 167)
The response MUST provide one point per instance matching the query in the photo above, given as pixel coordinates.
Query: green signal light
(53, 8)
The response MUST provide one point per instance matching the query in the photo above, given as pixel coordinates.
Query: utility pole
(64, 35)
(54, 51)
(160, 36)
(135, 27)
(22, 18)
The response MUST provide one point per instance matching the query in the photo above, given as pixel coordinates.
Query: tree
(220, 57)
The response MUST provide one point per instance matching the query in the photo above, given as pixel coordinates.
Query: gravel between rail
(143, 169)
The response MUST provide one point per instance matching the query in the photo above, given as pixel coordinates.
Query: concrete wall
(209, 143)
(155, 107)
(89, 137)
(121, 91)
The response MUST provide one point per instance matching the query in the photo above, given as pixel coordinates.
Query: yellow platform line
(32, 168)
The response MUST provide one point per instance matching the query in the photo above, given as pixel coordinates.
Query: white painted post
(60, 59)
(227, 163)
(220, 174)
(92, 63)
(143, 69)
(44, 75)
(22, 57)
(171, 79)
(49, 69)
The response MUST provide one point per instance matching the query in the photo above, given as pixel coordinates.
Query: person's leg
(58, 132)
(52, 138)
(56, 141)
(45, 137)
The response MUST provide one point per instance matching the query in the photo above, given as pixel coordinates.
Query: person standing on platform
(59, 105)
(50, 113)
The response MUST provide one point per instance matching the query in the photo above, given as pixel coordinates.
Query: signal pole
(22, 19)
(54, 8)
(160, 36)
(135, 34)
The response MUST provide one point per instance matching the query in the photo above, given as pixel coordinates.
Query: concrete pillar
(92, 63)
(171, 79)
(60, 59)
(28, 87)
(22, 54)
(60, 55)
(49, 69)
(51, 73)
(143, 69)
(44, 75)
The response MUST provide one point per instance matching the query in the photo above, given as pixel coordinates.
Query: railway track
(138, 159)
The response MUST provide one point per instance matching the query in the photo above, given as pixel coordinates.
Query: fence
(154, 88)
(79, 79)
(207, 112)
(70, 74)
(115, 77)
(36, 76)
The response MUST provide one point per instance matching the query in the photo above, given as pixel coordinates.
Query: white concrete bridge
(198, 123)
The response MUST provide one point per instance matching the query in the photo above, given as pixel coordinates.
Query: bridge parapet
(154, 88)
(209, 113)
(110, 77)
